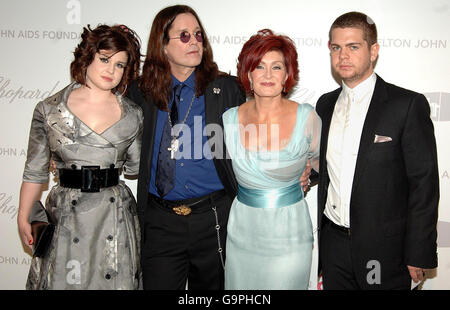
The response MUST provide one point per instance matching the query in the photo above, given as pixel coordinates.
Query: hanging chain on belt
(220, 250)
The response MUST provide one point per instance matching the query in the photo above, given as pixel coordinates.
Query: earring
(85, 79)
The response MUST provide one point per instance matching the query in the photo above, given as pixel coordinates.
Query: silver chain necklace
(174, 142)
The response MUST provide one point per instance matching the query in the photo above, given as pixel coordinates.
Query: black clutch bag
(42, 229)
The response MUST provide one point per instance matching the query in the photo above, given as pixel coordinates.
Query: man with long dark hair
(183, 96)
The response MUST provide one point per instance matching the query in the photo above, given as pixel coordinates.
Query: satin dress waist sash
(272, 198)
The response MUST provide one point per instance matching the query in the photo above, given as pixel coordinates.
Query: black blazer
(395, 194)
(220, 95)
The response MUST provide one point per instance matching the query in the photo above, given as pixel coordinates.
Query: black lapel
(150, 119)
(326, 122)
(212, 103)
(373, 117)
(326, 114)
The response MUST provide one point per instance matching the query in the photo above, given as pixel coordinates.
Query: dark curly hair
(115, 38)
(254, 50)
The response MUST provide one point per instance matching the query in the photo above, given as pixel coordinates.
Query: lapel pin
(216, 91)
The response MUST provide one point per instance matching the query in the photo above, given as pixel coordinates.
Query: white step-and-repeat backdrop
(37, 39)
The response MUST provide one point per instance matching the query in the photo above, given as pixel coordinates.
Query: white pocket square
(381, 139)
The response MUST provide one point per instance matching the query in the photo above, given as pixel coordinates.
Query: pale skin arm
(312, 130)
(304, 179)
(29, 194)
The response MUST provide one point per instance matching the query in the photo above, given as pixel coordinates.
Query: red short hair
(254, 50)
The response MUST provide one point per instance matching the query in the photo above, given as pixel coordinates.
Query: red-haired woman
(92, 133)
(269, 139)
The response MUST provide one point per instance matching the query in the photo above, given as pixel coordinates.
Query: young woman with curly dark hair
(91, 132)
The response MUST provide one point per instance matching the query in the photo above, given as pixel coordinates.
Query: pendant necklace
(174, 142)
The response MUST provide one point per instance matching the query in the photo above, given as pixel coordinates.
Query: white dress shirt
(343, 143)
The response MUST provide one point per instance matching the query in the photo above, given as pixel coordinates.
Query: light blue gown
(270, 238)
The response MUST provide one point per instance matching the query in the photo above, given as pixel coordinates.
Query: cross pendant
(174, 144)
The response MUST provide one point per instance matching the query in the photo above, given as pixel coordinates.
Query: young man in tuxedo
(378, 183)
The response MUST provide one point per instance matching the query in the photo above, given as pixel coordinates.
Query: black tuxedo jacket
(395, 193)
(220, 95)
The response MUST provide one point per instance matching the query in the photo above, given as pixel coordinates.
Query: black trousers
(184, 249)
(335, 250)
(335, 259)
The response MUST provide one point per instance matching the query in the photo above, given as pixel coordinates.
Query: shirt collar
(360, 90)
(190, 81)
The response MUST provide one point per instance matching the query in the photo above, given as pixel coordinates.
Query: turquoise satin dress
(270, 238)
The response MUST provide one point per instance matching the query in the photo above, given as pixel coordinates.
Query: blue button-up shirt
(195, 173)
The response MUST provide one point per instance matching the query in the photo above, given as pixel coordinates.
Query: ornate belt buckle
(182, 210)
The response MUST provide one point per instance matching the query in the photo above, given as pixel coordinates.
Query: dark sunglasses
(185, 36)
